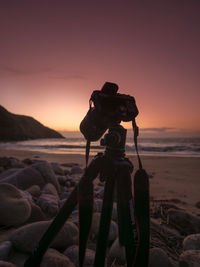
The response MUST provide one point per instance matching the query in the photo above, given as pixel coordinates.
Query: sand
(175, 178)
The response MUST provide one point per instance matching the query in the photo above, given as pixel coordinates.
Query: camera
(107, 108)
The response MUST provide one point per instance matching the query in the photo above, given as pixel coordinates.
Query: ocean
(74, 143)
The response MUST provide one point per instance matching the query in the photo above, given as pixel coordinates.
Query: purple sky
(53, 54)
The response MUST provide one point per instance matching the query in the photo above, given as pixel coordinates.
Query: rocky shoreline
(31, 193)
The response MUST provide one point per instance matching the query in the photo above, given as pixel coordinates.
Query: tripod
(115, 170)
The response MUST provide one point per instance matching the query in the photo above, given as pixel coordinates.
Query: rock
(61, 179)
(47, 173)
(113, 233)
(5, 249)
(27, 237)
(39, 173)
(36, 214)
(14, 209)
(72, 254)
(56, 168)
(10, 162)
(70, 164)
(99, 193)
(192, 242)
(8, 172)
(64, 195)
(6, 264)
(50, 189)
(159, 258)
(190, 258)
(26, 195)
(53, 258)
(98, 207)
(186, 223)
(34, 190)
(27, 161)
(116, 254)
(114, 212)
(18, 258)
(1, 169)
(49, 204)
(25, 178)
(76, 170)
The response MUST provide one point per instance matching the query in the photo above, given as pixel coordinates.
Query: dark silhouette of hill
(19, 127)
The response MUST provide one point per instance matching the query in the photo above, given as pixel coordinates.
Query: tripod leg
(85, 216)
(35, 259)
(105, 223)
(141, 196)
(126, 222)
(90, 174)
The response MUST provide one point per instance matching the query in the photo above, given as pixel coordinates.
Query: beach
(171, 178)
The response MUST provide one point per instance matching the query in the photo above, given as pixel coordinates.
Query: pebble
(7, 264)
(53, 258)
(113, 232)
(159, 258)
(57, 168)
(49, 204)
(190, 258)
(34, 190)
(192, 242)
(185, 222)
(72, 253)
(5, 250)
(50, 189)
(116, 254)
(76, 170)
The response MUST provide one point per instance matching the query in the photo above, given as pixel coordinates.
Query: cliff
(19, 127)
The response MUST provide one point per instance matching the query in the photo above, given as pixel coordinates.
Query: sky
(53, 54)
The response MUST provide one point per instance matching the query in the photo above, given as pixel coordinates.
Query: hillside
(19, 127)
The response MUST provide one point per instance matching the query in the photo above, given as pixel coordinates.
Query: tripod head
(115, 140)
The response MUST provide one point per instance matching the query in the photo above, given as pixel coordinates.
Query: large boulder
(190, 258)
(185, 222)
(53, 258)
(14, 208)
(39, 173)
(192, 242)
(27, 237)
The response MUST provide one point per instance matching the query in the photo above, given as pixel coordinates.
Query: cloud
(24, 72)
(69, 77)
(55, 74)
(157, 130)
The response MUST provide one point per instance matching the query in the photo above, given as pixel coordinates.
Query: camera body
(107, 108)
